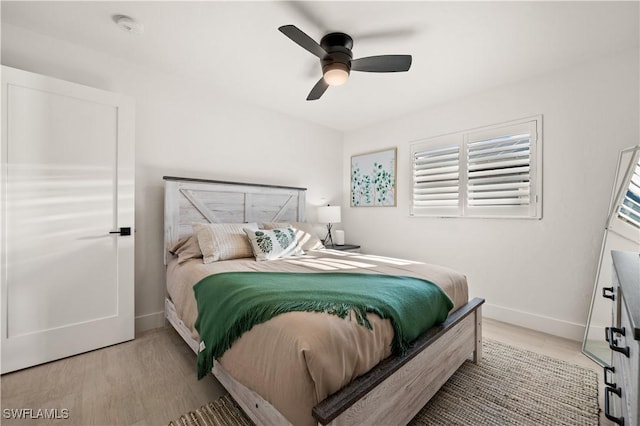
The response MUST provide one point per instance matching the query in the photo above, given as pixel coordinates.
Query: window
(490, 172)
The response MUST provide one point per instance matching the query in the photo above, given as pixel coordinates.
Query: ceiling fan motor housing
(338, 47)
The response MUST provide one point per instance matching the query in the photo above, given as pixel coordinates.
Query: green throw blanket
(231, 303)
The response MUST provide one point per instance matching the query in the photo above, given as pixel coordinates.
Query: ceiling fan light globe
(336, 74)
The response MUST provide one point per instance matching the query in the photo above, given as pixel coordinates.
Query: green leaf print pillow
(274, 243)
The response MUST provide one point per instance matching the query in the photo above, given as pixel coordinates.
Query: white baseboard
(553, 326)
(149, 321)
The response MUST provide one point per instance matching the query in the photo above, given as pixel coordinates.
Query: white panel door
(67, 182)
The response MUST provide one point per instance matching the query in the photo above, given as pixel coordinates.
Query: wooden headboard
(189, 200)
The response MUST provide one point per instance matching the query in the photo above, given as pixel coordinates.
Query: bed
(300, 386)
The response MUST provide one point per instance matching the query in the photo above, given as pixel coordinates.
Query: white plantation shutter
(501, 171)
(436, 179)
(630, 208)
(489, 172)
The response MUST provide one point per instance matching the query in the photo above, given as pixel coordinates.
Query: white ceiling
(458, 48)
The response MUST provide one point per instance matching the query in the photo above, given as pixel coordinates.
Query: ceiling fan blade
(299, 37)
(383, 63)
(318, 90)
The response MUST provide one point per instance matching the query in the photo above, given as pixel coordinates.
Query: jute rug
(510, 387)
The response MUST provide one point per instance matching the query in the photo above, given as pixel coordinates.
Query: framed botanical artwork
(373, 179)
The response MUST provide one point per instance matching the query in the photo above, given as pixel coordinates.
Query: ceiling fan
(337, 60)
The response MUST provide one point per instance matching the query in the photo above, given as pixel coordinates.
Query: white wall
(184, 130)
(536, 273)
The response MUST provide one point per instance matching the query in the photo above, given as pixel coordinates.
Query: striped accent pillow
(223, 241)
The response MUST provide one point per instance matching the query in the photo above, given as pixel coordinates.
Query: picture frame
(373, 178)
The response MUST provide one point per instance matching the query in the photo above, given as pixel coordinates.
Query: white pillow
(273, 244)
(223, 241)
(306, 235)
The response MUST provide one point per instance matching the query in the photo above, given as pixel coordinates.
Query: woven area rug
(510, 387)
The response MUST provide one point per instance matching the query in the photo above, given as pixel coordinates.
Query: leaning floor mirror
(622, 232)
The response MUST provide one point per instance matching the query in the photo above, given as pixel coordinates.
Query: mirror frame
(620, 185)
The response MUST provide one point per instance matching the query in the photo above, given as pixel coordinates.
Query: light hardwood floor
(152, 379)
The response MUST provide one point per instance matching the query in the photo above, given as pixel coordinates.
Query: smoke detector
(128, 24)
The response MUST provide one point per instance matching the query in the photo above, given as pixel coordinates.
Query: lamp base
(328, 240)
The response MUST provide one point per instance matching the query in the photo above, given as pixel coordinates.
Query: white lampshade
(329, 214)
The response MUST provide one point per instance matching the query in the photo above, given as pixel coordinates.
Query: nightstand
(345, 247)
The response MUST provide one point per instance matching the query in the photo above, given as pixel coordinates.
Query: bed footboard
(396, 389)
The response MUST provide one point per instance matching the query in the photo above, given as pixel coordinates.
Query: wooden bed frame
(392, 392)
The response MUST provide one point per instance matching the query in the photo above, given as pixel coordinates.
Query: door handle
(122, 231)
